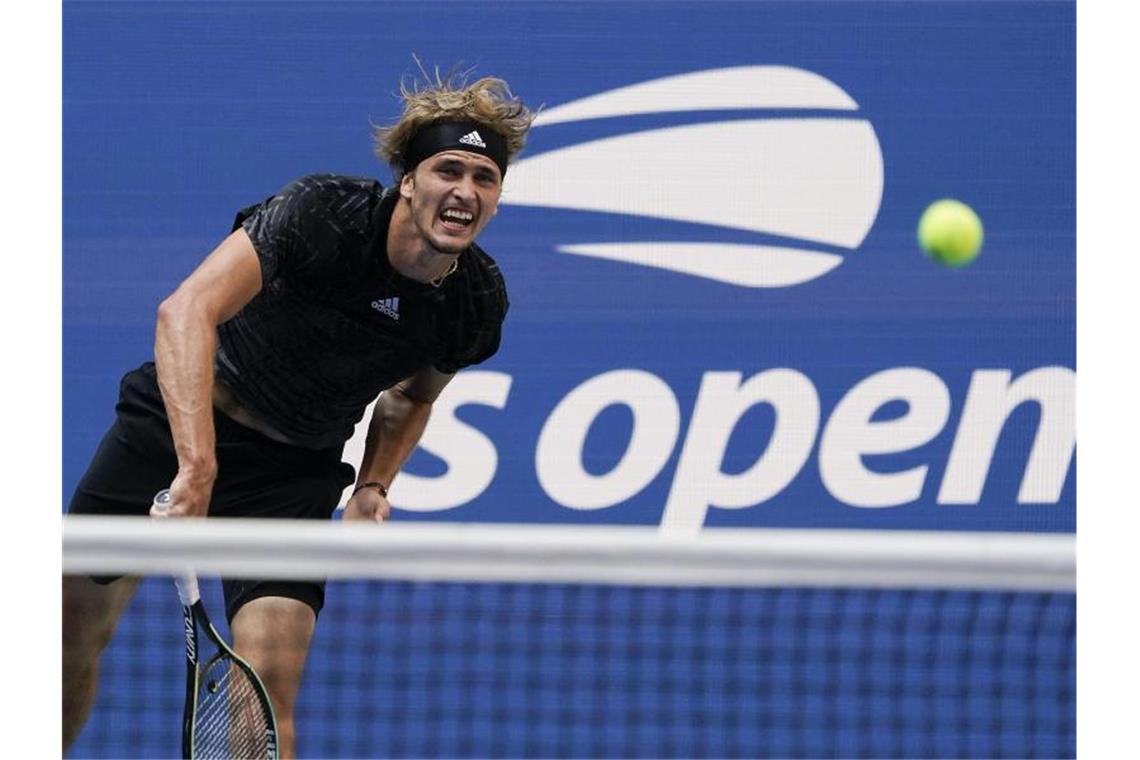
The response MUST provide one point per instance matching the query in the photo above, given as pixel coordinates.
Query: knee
(282, 691)
(282, 680)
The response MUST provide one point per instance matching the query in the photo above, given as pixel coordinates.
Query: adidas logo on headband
(473, 138)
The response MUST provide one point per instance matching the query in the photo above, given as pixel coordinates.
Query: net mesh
(404, 668)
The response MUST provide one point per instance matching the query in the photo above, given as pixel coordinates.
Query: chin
(451, 246)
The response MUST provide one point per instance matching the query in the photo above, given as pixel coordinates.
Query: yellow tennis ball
(950, 233)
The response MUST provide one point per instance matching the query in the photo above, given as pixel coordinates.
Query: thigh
(91, 612)
(273, 634)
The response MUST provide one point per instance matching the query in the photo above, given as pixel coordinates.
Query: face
(453, 195)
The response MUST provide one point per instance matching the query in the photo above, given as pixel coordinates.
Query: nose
(464, 189)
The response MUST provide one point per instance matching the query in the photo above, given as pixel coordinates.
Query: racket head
(228, 712)
(232, 713)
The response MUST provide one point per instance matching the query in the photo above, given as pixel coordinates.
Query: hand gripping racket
(228, 713)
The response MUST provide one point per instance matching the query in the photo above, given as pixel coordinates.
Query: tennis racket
(228, 713)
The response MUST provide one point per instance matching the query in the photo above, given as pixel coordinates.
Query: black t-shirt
(334, 323)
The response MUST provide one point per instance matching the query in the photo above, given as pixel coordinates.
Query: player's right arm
(184, 346)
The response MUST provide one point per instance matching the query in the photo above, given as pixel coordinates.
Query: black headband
(456, 135)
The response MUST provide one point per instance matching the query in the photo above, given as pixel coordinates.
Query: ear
(407, 185)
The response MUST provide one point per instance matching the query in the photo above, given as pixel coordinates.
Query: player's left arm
(398, 422)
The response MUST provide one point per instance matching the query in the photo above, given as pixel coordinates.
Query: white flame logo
(814, 180)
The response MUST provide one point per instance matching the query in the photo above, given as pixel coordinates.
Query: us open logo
(815, 182)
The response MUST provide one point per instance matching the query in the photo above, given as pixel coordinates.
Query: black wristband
(383, 489)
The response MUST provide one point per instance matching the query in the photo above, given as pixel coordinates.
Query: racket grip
(187, 582)
(187, 585)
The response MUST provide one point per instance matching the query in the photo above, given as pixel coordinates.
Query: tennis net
(522, 641)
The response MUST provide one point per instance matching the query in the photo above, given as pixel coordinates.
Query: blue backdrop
(176, 114)
(719, 312)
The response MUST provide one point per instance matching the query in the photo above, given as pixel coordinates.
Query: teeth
(458, 215)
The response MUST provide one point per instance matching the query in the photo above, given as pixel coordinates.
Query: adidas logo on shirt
(473, 138)
(388, 306)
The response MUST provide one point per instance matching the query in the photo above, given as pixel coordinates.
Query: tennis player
(266, 356)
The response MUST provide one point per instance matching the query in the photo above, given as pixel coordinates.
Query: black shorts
(257, 477)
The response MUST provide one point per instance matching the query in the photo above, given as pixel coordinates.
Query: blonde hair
(437, 98)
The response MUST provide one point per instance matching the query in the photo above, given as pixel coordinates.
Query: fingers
(185, 498)
(174, 509)
(382, 512)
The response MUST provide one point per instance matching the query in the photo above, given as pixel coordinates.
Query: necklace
(436, 282)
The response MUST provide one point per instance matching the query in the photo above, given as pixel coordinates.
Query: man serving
(267, 355)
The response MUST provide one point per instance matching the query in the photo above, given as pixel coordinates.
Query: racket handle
(187, 582)
(187, 585)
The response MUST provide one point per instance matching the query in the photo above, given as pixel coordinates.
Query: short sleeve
(290, 230)
(483, 347)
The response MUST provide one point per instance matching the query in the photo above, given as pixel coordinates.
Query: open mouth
(456, 218)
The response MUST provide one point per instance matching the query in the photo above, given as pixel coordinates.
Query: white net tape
(594, 554)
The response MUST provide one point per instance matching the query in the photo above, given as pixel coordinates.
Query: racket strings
(230, 721)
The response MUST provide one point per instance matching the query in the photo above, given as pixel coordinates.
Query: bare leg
(90, 614)
(272, 634)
